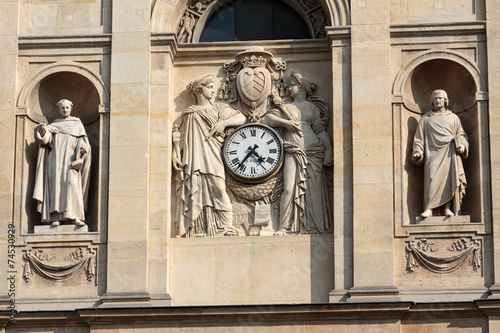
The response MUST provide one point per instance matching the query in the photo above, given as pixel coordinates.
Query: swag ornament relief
(424, 253)
(256, 163)
(57, 267)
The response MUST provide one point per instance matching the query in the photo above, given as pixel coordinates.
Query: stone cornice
(339, 36)
(61, 42)
(164, 42)
(438, 30)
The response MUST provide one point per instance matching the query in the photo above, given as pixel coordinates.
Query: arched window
(242, 20)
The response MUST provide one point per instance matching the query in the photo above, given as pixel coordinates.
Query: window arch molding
(165, 18)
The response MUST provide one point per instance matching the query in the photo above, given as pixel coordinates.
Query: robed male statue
(441, 142)
(63, 169)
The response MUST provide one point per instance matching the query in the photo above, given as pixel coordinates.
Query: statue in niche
(63, 169)
(440, 142)
(304, 203)
(203, 205)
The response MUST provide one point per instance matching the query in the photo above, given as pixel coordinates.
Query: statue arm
(233, 121)
(43, 135)
(275, 121)
(418, 144)
(176, 150)
(463, 143)
(328, 158)
(82, 154)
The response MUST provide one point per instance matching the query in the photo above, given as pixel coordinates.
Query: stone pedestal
(48, 229)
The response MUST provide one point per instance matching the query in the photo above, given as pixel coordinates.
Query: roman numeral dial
(253, 153)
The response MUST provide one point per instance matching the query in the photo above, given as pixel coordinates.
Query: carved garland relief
(56, 268)
(256, 163)
(418, 254)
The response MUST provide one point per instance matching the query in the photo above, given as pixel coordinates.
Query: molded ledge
(126, 300)
(373, 294)
(495, 291)
(338, 296)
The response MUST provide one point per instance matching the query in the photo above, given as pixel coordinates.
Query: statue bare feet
(280, 232)
(79, 222)
(426, 214)
(55, 223)
(447, 210)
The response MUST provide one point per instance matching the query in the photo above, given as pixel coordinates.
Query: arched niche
(166, 17)
(37, 103)
(70, 78)
(412, 90)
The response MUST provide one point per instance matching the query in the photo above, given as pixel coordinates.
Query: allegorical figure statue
(63, 169)
(203, 205)
(440, 142)
(186, 30)
(304, 204)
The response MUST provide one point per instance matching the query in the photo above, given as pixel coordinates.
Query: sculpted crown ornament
(253, 61)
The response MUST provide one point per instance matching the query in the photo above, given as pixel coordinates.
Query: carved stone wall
(378, 267)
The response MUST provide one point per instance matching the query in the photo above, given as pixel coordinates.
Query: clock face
(253, 152)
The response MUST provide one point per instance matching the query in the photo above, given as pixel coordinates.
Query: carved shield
(254, 85)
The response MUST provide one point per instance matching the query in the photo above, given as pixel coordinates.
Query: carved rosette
(418, 254)
(63, 268)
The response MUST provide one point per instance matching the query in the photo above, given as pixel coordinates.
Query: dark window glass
(288, 24)
(243, 20)
(220, 27)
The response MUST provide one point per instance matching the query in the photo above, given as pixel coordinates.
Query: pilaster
(9, 22)
(493, 40)
(340, 41)
(373, 259)
(127, 274)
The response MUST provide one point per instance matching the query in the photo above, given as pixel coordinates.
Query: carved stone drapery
(74, 263)
(417, 254)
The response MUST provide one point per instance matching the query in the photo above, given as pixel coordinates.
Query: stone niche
(38, 103)
(463, 86)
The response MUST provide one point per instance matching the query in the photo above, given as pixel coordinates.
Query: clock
(253, 153)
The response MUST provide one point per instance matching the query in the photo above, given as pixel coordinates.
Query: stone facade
(368, 71)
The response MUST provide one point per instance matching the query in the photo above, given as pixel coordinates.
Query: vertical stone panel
(342, 143)
(8, 53)
(493, 35)
(160, 214)
(373, 261)
(127, 275)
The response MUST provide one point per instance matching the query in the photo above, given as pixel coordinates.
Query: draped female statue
(203, 205)
(304, 203)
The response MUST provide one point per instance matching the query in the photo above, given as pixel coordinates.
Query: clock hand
(259, 158)
(246, 157)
